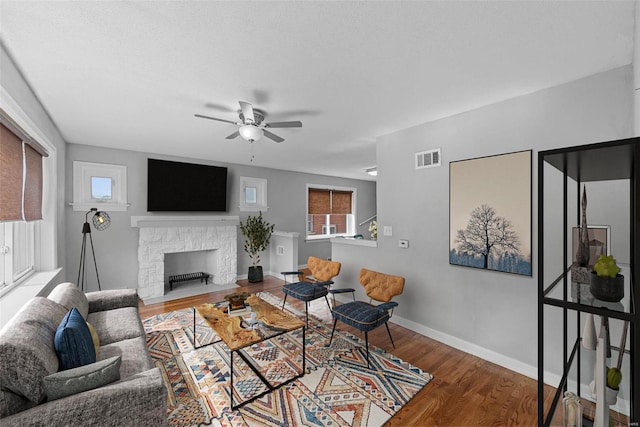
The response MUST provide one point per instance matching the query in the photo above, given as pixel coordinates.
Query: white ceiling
(131, 75)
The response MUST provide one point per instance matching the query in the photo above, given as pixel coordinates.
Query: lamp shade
(101, 220)
(250, 133)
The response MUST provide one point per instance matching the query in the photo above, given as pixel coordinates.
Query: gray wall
(116, 247)
(13, 82)
(488, 313)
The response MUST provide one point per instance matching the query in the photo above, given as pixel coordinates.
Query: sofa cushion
(69, 295)
(83, 378)
(73, 342)
(10, 403)
(117, 324)
(134, 354)
(27, 353)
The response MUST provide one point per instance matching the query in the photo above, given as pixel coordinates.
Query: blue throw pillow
(73, 342)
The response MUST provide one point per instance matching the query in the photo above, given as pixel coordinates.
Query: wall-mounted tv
(185, 187)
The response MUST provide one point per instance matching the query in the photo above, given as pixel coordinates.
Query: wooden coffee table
(237, 335)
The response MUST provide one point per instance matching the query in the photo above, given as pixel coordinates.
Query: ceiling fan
(252, 125)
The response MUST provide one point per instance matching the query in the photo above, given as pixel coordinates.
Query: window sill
(14, 297)
(105, 206)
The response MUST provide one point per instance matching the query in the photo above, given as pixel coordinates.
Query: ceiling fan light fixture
(250, 133)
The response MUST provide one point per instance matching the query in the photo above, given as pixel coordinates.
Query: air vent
(428, 159)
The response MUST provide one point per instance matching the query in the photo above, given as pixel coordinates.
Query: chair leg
(284, 301)
(389, 332)
(366, 340)
(332, 330)
(327, 300)
(306, 312)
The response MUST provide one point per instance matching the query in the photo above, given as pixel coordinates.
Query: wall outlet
(403, 243)
(387, 230)
(280, 250)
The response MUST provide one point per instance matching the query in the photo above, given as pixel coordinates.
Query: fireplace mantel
(183, 221)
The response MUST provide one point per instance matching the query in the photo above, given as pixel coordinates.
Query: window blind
(20, 176)
(326, 202)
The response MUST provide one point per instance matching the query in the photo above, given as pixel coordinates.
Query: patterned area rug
(337, 390)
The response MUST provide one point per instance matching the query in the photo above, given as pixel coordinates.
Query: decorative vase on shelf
(572, 410)
(589, 339)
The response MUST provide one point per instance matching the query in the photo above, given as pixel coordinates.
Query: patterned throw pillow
(73, 342)
(77, 380)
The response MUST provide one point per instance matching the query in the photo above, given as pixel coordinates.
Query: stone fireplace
(160, 235)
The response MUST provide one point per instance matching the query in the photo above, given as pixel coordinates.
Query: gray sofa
(27, 355)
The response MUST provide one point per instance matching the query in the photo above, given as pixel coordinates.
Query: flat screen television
(185, 187)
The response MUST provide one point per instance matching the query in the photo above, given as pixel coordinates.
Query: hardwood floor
(465, 391)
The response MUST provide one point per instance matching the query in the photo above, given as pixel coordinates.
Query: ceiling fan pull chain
(251, 151)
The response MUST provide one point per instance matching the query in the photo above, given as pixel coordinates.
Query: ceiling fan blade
(214, 118)
(295, 124)
(272, 136)
(247, 112)
(233, 135)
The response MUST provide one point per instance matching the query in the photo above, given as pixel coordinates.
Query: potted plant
(606, 282)
(257, 233)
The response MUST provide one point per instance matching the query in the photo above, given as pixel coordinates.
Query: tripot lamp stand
(101, 221)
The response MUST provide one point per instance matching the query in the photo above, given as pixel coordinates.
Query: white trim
(260, 184)
(82, 174)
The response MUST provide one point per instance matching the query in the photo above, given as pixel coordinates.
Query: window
(22, 169)
(99, 185)
(253, 194)
(330, 211)
(17, 247)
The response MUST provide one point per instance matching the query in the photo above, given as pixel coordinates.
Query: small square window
(99, 185)
(101, 188)
(251, 195)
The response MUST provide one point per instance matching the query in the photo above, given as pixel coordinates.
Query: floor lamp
(101, 221)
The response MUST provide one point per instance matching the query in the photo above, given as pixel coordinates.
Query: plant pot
(607, 288)
(255, 274)
(610, 396)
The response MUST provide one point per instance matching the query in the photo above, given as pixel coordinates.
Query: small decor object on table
(606, 282)
(237, 301)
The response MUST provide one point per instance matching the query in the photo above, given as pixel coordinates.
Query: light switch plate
(387, 230)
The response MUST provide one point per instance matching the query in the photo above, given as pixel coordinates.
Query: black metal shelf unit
(613, 160)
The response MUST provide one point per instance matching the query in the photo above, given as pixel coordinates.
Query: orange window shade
(319, 202)
(341, 202)
(10, 175)
(33, 185)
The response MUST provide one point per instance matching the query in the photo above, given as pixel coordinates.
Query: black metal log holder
(178, 278)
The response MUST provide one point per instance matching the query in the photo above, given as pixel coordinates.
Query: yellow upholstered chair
(366, 316)
(313, 286)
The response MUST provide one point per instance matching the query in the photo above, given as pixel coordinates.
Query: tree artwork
(490, 213)
(487, 232)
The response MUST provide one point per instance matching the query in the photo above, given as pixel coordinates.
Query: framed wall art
(599, 242)
(490, 213)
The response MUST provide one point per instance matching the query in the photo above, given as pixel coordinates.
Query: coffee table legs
(266, 382)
